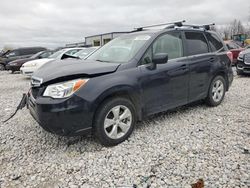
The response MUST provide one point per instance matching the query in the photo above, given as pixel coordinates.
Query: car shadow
(170, 113)
(89, 143)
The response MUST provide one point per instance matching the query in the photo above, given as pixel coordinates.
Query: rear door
(200, 61)
(166, 85)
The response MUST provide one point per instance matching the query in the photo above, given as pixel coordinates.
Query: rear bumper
(67, 117)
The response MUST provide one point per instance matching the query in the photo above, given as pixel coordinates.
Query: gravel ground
(172, 149)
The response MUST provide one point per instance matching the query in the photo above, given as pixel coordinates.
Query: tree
(236, 27)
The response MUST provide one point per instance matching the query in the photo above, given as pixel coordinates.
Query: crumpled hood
(37, 62)
(73, 67)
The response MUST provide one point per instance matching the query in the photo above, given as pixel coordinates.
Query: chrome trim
(36, 82)
(247, 59)
(240, 68)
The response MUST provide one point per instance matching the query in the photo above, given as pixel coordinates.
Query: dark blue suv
(131, 77)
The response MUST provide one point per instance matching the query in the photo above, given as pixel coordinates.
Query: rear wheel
(114, 121)
(216, 91)
(2, 67)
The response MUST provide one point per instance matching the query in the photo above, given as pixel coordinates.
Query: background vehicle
(16, 64)
(85, 52)
(247, 42)
(129, 78)
(243, 63)
(235, 49)
(18, 53)
(29, 67)
(247, 47)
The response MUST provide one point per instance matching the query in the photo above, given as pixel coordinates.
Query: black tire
(2, 67)
(103, 111)
(210, 99)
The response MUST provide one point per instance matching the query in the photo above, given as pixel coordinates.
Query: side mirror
(160, 58)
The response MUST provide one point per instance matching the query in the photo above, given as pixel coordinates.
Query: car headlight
(13, 64)
(64, 89)
(30, 65)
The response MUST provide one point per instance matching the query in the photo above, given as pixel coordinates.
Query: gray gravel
(172, 149)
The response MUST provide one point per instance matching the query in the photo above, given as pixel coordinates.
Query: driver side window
(170, 43)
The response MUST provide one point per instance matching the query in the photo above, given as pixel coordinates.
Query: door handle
(212, 59)
(183, 67)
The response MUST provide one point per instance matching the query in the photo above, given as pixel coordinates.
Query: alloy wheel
(218, 91)
(117, 122)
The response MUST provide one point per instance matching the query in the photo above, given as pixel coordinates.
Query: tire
(107, 123)
(216, 91)
(2, 67)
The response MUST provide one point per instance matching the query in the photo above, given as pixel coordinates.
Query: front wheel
(114, 121)
(216, 91)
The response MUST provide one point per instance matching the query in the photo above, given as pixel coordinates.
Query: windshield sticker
(142, 37)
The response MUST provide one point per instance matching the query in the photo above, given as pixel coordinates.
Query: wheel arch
(224, 75)
(123, 91)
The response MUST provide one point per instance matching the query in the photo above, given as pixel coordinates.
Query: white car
(84, 53)
(30, 67)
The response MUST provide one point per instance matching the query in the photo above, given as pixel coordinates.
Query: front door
(166, 85)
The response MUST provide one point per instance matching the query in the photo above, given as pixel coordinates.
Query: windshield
(36, 55)
(56, 54)
(121, 49)
(83, 53)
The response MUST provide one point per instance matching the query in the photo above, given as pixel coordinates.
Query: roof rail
(178, 24)
(206, 26)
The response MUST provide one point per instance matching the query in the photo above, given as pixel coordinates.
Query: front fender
(120, 83)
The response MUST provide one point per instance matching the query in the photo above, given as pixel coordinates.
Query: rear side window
(196, 43)
(214, 42)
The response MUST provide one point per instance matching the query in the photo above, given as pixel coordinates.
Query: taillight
(230, 56)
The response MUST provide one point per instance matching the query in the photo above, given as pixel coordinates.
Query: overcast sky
(52, 23)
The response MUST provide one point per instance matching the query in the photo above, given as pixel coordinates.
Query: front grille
(247, 59)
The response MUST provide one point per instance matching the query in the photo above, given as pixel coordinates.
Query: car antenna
(178, 23)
